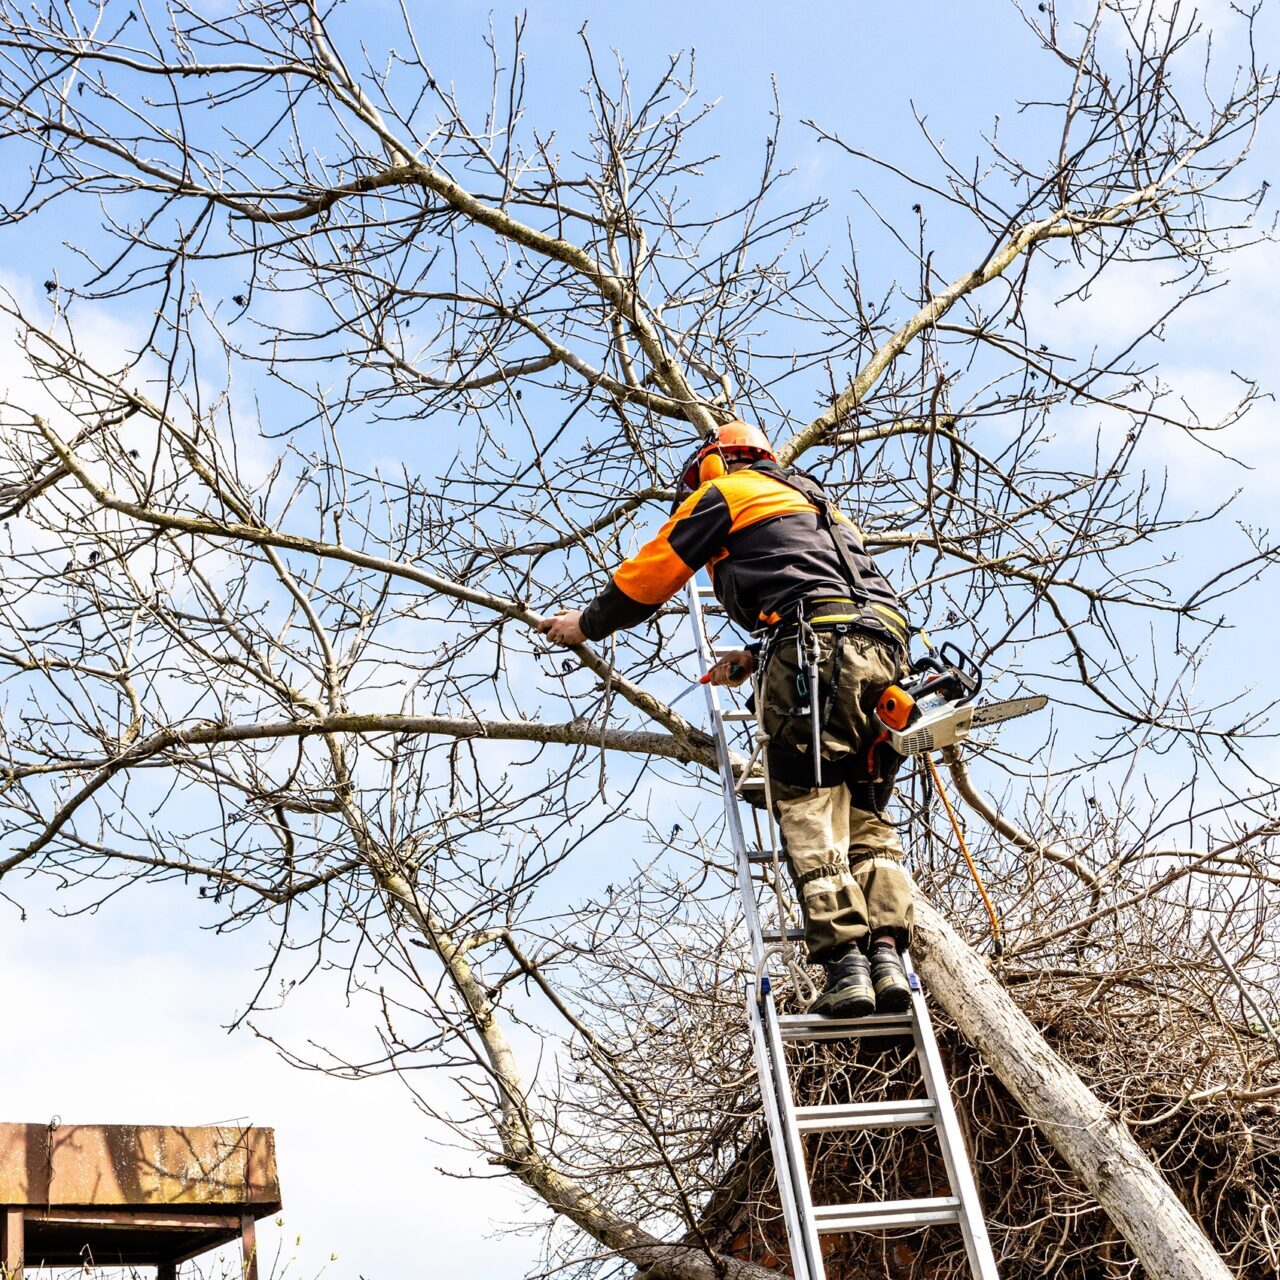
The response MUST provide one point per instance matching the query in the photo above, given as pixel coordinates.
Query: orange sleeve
(688, 540)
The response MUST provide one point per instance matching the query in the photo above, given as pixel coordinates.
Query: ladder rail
(794, 1148)
(973, 1226)
(772, 1092)
(771, 1067)
(733, 819)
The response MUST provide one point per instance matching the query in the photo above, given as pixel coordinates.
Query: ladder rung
(763, 855)
(866, 1115)
(814, 1026)
(706, 591)
(737, 715)
(772, 935)
(879, 1215)
(750, 782)
(723, 650)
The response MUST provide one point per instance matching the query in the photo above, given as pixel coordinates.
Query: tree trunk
(1100, 1149)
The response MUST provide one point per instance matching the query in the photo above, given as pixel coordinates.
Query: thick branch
(653, 1257)
(266, 537)
(1061, 224)
(1097, 1146)
(578, 732)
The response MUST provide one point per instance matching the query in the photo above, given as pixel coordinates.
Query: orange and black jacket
(765, 546)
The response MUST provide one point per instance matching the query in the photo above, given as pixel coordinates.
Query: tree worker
(787, 566)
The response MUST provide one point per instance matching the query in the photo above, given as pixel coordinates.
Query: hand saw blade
(993, 712)
(684, 693)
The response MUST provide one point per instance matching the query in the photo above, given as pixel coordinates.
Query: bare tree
(401, 373)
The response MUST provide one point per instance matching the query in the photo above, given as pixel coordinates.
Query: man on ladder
(787, 566)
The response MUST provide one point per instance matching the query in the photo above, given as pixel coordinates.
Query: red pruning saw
(736, 670)
(934, 707)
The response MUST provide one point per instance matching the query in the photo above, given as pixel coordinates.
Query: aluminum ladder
(806, 1222)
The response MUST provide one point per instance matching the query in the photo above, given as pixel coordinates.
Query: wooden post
(167, 1271)
(12, 1248)
(249, 1246)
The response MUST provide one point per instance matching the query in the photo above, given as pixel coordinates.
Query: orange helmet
(733, 439)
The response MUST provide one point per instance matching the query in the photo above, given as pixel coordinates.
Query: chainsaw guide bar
(948, 724)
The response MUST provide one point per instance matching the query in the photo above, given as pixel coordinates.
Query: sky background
(123, 1011)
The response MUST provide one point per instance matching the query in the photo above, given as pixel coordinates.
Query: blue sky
(124, 1008)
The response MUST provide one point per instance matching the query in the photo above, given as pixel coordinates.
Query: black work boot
(848, 993)
(893, 992)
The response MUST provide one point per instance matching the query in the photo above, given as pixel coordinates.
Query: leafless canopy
(345, 374)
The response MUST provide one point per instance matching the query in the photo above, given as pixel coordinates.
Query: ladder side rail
(773, 1090)
(733, 818)
(775, 1086)
(791, 1139)
(973, 1226)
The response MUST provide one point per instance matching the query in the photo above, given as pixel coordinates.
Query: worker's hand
(733, 668)
(563, 628)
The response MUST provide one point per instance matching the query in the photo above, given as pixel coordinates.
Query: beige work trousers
(846, 862)
(847, 868)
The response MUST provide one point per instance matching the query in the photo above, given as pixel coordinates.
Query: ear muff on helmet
(712, 467)
(689, 475)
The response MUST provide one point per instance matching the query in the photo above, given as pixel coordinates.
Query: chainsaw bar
(993, 712)
(948, 724)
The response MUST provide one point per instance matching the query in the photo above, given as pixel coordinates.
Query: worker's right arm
(691, 538)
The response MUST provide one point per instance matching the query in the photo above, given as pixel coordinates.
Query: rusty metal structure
(131, 1195)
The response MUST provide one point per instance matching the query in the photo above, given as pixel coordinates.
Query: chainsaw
(934, 706)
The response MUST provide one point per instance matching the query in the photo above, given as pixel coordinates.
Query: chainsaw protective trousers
(847, 867)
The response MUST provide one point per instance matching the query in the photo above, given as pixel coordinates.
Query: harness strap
(837, 662)
(809, 489)
(824, 613)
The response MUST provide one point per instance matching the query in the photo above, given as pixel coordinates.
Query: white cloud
(1220, 19)
(1203, 358)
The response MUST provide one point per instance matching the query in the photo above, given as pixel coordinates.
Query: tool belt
(823, 612)
(803, 676)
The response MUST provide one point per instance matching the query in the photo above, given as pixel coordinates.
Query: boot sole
(854, 1002)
